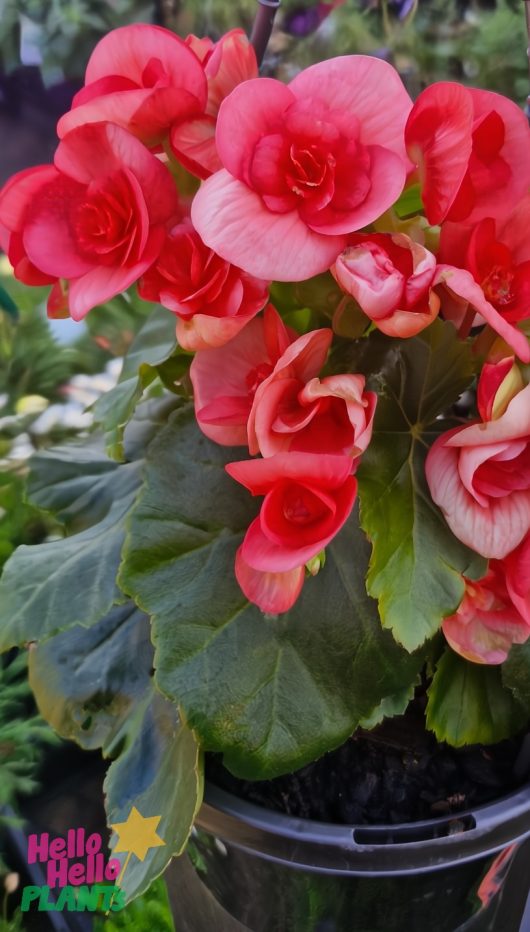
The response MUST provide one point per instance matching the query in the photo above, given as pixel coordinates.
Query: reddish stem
(262, 26)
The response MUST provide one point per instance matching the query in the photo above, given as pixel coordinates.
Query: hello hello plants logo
(78, 877)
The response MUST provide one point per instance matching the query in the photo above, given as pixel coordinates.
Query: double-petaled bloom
(307, 499)
(480, 475)
(304, 164)
(95, 219)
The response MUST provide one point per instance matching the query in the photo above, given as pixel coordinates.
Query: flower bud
(498, 384)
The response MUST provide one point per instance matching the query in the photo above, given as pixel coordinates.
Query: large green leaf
(95, 686)
(516, 674)
(70, 581)
(161, 774)
(468, 703)
(87, 681)
(152, 346)
(416, 564)
(271, 692)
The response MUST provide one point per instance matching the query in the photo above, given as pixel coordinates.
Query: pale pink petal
(492, 531)
(464, 286)
(405, 324)
(486, 640)
(233, 221)
(273, 593)
(352, 85)
(204, 332)
(514, 424)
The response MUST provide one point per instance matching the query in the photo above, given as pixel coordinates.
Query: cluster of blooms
(292, 181)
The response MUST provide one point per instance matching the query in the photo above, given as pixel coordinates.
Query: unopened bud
(316, 563)
(499, 382)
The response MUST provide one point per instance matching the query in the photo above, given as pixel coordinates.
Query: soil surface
(396, 773)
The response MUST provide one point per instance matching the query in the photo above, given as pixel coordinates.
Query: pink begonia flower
(471, 147)
(96, 218)
(493, 274)
(480, 478)
(304, 164)
(225, 379)
(226, 64)
(294, 410)
(488, 620)
(391, 277)
(144, 78)
(212, 299)
(308, 498)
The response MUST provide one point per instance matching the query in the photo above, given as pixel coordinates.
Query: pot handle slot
(410, 834)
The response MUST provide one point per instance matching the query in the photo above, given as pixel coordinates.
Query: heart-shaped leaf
(417, 563)
(272, 693)
(95, 686)
(468, 703)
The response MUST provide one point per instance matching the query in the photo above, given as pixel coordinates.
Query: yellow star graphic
(137, 835)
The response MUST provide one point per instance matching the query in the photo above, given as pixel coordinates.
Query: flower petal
(352, 85)
(273, 593)
(462, 284)
(233, 221)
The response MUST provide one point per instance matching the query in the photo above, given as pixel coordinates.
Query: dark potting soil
(396, 773)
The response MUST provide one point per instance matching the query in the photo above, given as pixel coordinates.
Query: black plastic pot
(266, 872)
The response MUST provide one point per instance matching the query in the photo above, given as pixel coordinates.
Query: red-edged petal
(258, 476)
(193, 143)
(204, 332)
(439, 141)
(127, 50)
(492, 531)
(351, 84)
(462, 284)
(499, 199)
(273, 593)
(232, 61)
(233, 221)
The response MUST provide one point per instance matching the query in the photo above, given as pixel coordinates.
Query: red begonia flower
(295, 410)
(225, 380)
(308, 498)
(471, 147)
(480, 478)
(488, 621)
(144, 78)
(96, 218)
(212, 299)
(304, 164)
(391, 278)
(226, 64)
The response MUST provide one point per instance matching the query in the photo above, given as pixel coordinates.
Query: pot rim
(405, 848)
